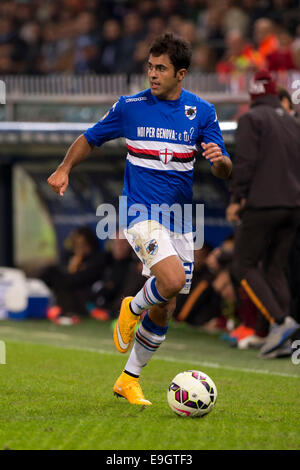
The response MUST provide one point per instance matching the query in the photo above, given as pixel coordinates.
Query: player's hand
(59, 181)
(212, 152)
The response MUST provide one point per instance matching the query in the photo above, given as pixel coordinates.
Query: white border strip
(14, 126)
(44, 126)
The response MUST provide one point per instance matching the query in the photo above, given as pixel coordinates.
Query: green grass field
(56, 393)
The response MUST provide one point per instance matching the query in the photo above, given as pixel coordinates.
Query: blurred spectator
(286, 101)
(147, 9)
(47, 60)
(155, 27)
(12, 48)
(203, 59)
(133, 34)
(265, 37)
(282, 59)
(175, 23)
(31, 34)
(140, 57)
(211, 25)
(168, 7)
(235, 18)
(202, 304)
(110, 47)
(189, 9)
(210, 296)
(220, 256)
(188, 31)
(279, 9)
(254, 10)
(295, 50)
(23, 13)
(121, 277)
(240, 55)
(250, 329)
(72, 283)
(86, 53)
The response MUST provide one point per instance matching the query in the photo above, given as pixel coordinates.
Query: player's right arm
(108, 128)
(79, 151)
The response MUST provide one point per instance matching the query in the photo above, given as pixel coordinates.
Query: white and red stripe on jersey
(161, 155)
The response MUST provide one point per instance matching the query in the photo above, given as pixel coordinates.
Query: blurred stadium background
(63, 63)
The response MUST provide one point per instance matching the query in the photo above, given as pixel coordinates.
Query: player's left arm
(214, 148)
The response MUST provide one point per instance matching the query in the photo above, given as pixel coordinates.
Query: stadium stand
(91, 36)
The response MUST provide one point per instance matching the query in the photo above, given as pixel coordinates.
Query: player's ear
(181, 73)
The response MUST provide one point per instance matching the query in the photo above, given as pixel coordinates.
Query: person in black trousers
(265, 203)
(293, 271)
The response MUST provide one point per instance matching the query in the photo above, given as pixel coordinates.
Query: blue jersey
(162, 139)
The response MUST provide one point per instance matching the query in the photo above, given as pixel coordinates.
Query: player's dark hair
(178, 50)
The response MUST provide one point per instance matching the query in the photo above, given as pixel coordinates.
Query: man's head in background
(262, 84)
(286, 100)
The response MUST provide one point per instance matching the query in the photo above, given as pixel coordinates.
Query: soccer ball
(192, 393)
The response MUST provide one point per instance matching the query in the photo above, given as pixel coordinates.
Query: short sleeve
(109, 127)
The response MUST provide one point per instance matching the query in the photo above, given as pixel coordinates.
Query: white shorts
(152, 242)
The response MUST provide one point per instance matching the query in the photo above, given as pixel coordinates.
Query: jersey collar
(173, 103)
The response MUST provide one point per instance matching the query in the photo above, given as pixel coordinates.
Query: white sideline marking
(2, 353)
(200, 363)
(176, 346)
(164, 358)
(237, 369)
(44, 334)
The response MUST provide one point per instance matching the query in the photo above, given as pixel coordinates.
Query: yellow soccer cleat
(128, 387)
(125, 326)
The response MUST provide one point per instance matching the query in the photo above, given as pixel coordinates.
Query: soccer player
(163, 126)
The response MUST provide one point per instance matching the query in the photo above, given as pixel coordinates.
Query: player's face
(164, 82)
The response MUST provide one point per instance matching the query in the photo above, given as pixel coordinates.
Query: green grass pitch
(56, 393)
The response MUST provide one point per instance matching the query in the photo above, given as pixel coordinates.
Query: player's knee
(173, 284)
(179, 283)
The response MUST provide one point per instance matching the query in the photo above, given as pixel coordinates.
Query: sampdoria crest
(152, 247)
(190, 112)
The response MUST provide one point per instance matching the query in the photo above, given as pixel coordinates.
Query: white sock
(146, 297)
(148, 338)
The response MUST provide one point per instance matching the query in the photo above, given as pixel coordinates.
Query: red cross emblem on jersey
(165, 155)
